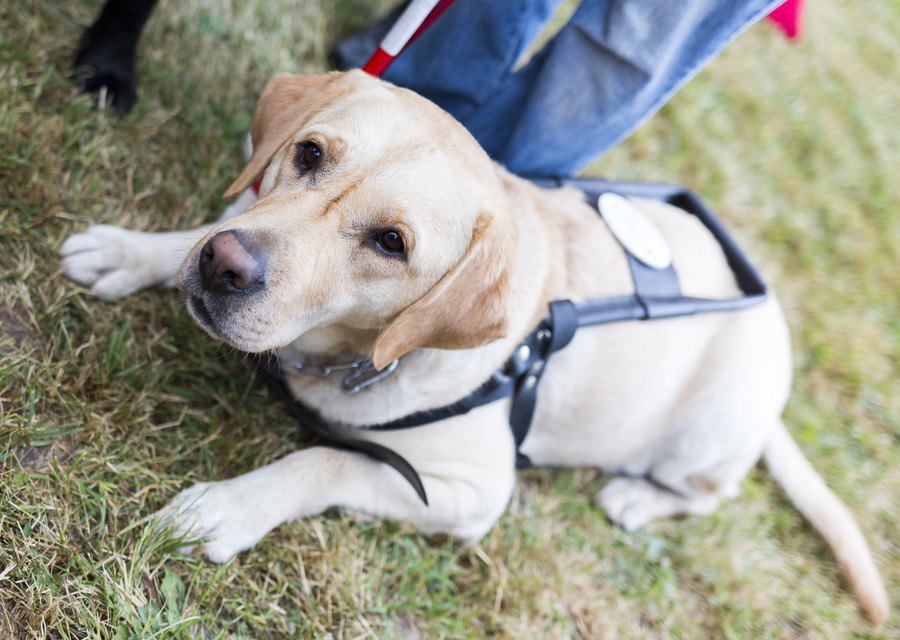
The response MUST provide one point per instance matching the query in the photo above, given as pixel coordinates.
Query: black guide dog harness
(656, 295)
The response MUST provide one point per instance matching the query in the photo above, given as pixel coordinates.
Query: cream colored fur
(678, 410)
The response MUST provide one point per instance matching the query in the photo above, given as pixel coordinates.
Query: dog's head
(378, 213)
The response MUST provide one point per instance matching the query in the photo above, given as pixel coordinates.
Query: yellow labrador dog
(383, 229)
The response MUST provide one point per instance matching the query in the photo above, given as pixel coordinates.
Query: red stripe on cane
(378, 62)
(402, 33)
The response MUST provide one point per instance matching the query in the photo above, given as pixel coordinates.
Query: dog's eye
(390, 242)
(307, 156)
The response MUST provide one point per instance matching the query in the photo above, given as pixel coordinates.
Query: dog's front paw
(220, 517)
(112, 261)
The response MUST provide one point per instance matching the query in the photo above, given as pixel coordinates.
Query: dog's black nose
(229, 264)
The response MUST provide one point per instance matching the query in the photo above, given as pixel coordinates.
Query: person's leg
(464, 57)
(610, 68)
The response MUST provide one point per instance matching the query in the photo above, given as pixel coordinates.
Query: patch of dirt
(41, 459)
(9, 626)
(16, 331)
(402, 626)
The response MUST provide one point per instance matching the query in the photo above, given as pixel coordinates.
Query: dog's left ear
(287, 102)
(469, 305)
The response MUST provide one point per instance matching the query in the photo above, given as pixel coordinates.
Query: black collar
(657, 295)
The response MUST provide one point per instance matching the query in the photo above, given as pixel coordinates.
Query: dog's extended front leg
(233, 515)
(115, 262)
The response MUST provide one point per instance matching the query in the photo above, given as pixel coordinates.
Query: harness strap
(653, 286)
(267, 364)
(562, 324)
(496, 387)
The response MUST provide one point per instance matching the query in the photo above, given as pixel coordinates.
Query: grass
(107, 410)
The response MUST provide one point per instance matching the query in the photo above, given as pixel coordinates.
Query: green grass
(107, 410)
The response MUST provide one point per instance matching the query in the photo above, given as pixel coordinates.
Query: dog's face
(378, 213)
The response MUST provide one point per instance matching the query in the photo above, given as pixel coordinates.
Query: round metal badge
(634, 230)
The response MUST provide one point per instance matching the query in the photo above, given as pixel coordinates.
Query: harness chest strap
(309, 419)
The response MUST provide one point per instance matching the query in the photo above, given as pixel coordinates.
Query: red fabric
(787, 18)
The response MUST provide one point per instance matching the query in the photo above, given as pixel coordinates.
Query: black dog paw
(105, 69)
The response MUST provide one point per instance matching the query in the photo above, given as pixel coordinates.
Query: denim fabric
(613, 65)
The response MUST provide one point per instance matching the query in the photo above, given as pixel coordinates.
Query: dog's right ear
(286, 104)
(469, 305)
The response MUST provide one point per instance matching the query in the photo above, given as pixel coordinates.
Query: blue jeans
(612, 66)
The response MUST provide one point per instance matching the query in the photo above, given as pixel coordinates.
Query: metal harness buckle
(362, 373)
(366, 375)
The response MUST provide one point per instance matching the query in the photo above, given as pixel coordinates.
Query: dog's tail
(831, 519)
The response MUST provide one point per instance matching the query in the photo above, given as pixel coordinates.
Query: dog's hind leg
(115, 262)
(635, 502)
(717, 430)
(687, 475)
